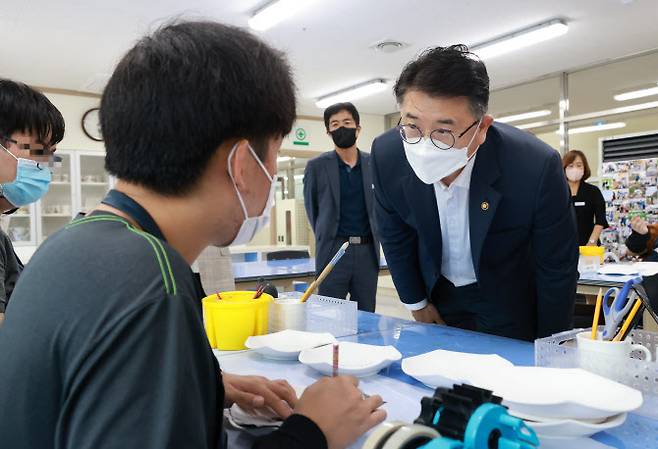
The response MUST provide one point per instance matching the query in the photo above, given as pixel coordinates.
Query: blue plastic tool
(490, 426)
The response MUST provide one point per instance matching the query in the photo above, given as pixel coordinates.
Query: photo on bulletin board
(637, 213)
(636, 190)
(652, 167)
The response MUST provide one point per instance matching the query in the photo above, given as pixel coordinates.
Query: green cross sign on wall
(300, 137)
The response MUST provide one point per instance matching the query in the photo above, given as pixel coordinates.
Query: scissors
(621, 304)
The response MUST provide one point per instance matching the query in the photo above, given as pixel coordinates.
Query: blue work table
(403, 393)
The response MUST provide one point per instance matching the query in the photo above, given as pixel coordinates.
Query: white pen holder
(287, 313)
(603, 357)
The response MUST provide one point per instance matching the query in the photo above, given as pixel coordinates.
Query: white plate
(286, 345)
(355, 359)
(561, 393)
(570, 428)
(619, 270)
(445, 368)
(542, 419)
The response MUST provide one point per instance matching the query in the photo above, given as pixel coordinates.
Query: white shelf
(19, 216)
(56, 215)
(60, 183)
(95, 184)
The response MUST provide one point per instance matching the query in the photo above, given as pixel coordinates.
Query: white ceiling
(70, 44)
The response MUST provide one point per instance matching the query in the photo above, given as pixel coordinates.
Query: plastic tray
(326, 314)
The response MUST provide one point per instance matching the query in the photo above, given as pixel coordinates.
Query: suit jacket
(322, 202)
(522, 227)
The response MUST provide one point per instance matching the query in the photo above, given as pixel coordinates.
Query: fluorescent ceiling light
(595, 128)
(520, 39)
(637, 107)
(524, 116)
(594, 115)
(632, 95)
(352, 93)
(274, 12)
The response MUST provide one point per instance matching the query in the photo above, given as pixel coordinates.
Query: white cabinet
(94, 181)
(78, 184)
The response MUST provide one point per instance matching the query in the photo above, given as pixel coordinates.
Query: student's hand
(255, 393)
(339, 409)
(639, 225)
(428, 314)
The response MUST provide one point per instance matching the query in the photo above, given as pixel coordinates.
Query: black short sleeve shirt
(590, 210)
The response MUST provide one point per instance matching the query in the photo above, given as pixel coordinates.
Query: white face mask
(251, 225)
(432, 164)
(574, 174)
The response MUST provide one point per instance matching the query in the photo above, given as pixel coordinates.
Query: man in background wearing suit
(338, 198)
(474, 216)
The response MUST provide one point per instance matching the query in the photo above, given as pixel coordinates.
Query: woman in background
(587, 198)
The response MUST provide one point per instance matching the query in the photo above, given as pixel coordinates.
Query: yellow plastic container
(231, 320)
(593, 251)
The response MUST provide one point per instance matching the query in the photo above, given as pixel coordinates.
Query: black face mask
(344, 137)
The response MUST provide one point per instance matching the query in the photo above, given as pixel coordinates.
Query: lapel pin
(484, 206)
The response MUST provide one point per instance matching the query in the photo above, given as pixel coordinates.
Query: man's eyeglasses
(443, 139)
(35, 150)
(41, 152)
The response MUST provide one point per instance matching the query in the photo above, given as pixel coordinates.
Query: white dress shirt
(452, 203)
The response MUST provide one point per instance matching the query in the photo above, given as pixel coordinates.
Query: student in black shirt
(587, 198)
(104, 345)
(30, 128)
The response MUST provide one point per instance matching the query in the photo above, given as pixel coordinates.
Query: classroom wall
(73, 108)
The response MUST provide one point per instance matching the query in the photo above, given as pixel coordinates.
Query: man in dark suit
(339, 203)
(474, 217)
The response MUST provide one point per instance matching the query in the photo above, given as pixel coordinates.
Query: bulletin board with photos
(630, 188)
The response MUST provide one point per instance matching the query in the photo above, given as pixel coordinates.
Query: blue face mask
(31, 182)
